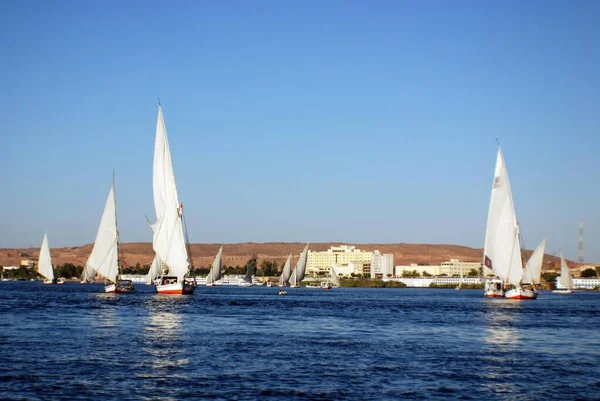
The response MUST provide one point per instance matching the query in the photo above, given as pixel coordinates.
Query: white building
(423, 270)
(319, 262)
(580, 283)
(382, 265)
(423, 282)
(355, 268)
(453, 267)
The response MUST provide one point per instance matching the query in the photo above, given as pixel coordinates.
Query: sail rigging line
(516, 238)
(187, 240)
(116, 226)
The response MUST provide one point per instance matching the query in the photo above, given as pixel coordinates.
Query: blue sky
(314, 121)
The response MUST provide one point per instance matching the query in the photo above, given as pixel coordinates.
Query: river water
(73, 342)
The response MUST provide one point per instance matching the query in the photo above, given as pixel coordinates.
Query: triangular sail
(300, 269)
(105, 254)
(168, 241)
(154, 271)
(533, 269)
(215, 270)
(285, 273)
(502, 251)
(294, 278)
(45, 261)
(335, 280)
(88, 274)
(565, 274)
(249, 273)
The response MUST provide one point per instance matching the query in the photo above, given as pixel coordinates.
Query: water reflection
(163, 340)
(501, 324)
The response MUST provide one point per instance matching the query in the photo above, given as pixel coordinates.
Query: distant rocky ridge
(238, 254)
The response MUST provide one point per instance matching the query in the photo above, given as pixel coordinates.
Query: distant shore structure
(350, 260)
(453, 267)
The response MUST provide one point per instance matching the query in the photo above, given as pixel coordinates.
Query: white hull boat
(494, 288)
(171, 285)
(520, 293)
(562, 291)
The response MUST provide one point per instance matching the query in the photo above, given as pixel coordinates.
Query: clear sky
(350, 121)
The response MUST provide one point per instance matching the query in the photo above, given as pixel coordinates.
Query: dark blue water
(73, 342)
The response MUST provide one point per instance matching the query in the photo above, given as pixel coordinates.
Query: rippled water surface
(74, 342)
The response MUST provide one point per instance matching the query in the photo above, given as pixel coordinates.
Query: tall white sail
(565, 275)
(215, 270)
(168, 240)
(502, 251)
(335, 280)
(533, 269)
(45, 261)
(88, 274)
(285, 273)
(300, 268)
(104, 258)
(294, 278)
(154, 271)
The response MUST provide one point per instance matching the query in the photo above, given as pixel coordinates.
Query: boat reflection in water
(501, 348)
(163, 340)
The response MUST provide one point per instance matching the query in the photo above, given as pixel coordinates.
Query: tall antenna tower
(580, 255)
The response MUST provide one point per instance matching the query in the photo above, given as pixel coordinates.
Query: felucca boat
(502, 251)
(565, 278)
(531, 276)
(215, 271)
(300, 270)
(45, 262)
(171, 266)
(104, 258)
(285, 272)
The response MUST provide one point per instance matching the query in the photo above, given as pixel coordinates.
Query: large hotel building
(350, 260)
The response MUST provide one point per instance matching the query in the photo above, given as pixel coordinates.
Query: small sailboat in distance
(565, 278)
(460, 280)
(169, 242)
(285, 272)
(215, 271)
(300, 270)
(531, 276)
(45, 262)
(335, 280)
(104, 258)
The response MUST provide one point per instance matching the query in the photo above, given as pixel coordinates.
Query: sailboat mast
(116, 225)
(187, 242)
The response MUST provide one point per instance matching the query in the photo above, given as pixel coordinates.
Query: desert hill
(238, 254)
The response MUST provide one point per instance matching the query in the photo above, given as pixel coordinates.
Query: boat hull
(123, 287)
(562, 291)
(176, 288)
(294, 286)
(494, 289)
(520, 293)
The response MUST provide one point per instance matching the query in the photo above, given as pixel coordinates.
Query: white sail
(533, 269)
(88, 274)
(285, 273)
(154, 271)
(215, 270)
(502, 251)
(168, 241)
(300, 269)
(335, 280)
(45, 261)
(565, 275)
(294, 278)
(104, 258)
